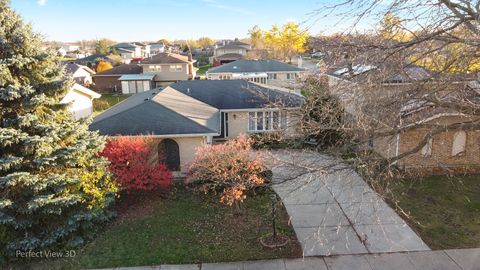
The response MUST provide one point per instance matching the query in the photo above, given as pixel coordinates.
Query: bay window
(267, 120)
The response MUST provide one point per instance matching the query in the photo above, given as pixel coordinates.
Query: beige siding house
(168, 68)
(188, 114)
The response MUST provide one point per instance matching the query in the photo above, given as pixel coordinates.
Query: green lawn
(444, 211)
(106, 101)
(203, 69)
(183, 229)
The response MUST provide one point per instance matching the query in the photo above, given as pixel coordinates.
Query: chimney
(190, 58)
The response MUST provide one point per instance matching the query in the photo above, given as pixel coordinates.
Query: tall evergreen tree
(54, 188)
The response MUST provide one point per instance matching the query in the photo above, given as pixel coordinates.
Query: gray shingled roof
(242, 66)
(229, 56)
(71, 68)
(141, 114)
(236, 94)
(124, 45)
(169, 112)
(232, 46)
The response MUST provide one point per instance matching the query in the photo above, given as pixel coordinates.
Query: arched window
(459, 143)
(168, 152)
(427, 148)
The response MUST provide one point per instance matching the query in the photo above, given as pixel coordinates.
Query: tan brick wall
(187, 147)
(441, 156)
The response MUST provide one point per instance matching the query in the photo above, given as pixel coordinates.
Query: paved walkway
(333, 211)
(463, 259)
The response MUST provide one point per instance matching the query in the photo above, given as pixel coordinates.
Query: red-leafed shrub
(133, 164)
(230, 169)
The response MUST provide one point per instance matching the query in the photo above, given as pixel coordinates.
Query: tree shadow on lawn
(186, 227)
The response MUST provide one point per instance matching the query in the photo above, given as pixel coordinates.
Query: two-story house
(230, 52)
(128, 51)
(168, 68)
(156, 48)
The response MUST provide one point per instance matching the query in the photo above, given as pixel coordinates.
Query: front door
(223, 126)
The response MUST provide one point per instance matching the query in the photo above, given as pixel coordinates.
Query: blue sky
(129, 20)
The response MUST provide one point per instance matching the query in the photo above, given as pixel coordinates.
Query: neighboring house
(168, 68)
(156, 48)
(80, 74)
(145, 49)
(65, 49)
(270, 72)
(189, 114)
(89, 60)
(230, 52)
(108, 80)
(452, 151)
(80, 99)
(130, 51)
(448, 151)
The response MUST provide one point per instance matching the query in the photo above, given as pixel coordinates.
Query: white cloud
(42, 2)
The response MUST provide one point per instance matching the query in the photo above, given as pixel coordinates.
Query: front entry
(223, 126)
(169, 153)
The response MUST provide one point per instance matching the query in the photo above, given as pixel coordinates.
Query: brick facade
(106, 84)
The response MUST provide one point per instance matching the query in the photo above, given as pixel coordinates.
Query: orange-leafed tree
(229, 169)
(103, 65)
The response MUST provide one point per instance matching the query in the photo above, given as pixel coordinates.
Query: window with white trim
(176, 68)
(156, 68)
(272, 76)
(459, 143)
(427, 148)
(267, 120)
(290, 76)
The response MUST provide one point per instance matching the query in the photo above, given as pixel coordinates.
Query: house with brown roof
(108, 80)
(168, 68)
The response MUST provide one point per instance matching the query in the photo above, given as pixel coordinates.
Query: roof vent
(234, 67)
(188, 90)
(147, 99)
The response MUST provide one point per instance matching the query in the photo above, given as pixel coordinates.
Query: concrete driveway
(332, 209)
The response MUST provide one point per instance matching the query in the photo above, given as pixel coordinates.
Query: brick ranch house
(108, 80)
(451, 151)
(188, 114)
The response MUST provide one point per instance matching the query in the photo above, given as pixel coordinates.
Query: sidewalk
(333, 211)
(457, 259)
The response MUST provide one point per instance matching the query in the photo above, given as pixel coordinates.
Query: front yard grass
(203, 69)
(445, 211)
(186, 228)
(106, 101)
